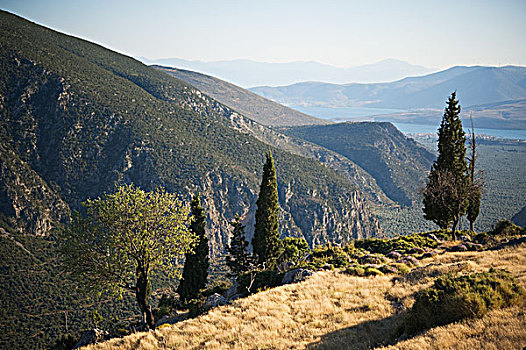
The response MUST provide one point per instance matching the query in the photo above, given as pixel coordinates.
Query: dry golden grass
(334, 311)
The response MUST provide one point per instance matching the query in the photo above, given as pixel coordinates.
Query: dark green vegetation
(196, 263)
(294, 250)
(247, 103)
(397, 163)
(455, 297)
(38, 303)
(501, 162)
(266, 244)
(77, 118)
(476, 182)
(239, 260)
(447, 192)
(503, 229)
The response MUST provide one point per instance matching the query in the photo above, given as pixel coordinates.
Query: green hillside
(398, 164)
(77, 118)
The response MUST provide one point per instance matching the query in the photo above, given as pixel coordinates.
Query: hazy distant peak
(248, 73)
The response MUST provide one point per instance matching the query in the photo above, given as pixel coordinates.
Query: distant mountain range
(248, 73)
(494, 94)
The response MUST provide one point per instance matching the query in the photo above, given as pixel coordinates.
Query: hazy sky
(436, 34)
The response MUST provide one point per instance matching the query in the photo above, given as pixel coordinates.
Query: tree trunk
(141, 294)
(454, 229)
(472, 225)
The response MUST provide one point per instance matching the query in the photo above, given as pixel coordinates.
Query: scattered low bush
(401, 268)
(502, 229)
(355, 271)
(294, 250)
(373, 271)
(328, 254)
(402, 244)
(506, 228)
(372, 259)
(455, 297)
(219, 286)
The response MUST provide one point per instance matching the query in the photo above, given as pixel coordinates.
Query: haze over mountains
(248, 73)
(495, 94)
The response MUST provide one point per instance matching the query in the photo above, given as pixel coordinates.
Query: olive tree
(124, 237)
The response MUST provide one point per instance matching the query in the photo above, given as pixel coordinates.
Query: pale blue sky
(435, 34)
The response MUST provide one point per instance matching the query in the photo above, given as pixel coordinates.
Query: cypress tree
(266, 241)
(475, 192)
(238, 258)
(445, 195)
(195, 271)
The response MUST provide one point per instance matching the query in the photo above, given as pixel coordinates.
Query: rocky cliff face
(319, 222)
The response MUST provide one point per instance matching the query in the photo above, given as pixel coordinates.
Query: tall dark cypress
(445, 195)
(266, 241)
(475, 193)
(238, 259)
(195, 271)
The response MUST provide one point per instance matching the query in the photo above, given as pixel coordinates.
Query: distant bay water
(341, 114)
(357, 114)
(410, 129)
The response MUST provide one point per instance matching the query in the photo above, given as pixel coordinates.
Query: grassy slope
(335, 311)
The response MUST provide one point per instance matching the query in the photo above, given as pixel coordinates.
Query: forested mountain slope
(397, 162)
(83, 118)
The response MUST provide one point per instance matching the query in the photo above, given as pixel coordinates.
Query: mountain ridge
(385, 95)
(243, 101)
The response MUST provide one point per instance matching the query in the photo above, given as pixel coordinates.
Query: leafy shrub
(372, 259)
(409, 260)
(364, 271)
(440, 234)
(332, 255)
(506, 228)
(355, 271)
(402, 244)
(454, 297)
(387, 269)
(373, 271)
(219, 286)
(196, 306)
(484, 238)
(294, 249)
(166, 304)
(503, 228)
(401, 267)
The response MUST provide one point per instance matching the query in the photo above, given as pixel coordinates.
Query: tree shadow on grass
(366, 335)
